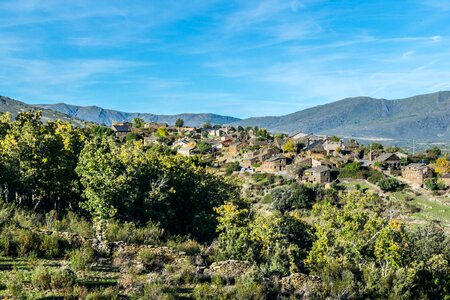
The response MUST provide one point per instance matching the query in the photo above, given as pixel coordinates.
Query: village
(302, 157)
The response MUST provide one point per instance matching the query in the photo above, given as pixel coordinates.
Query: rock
(228, 268)
(300, 285)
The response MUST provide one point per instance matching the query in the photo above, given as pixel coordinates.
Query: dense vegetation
(85, 216)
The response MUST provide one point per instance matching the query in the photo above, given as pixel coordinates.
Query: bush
(249, 290)
(180, 273)
(129, 233)
(376, 177)
(41, 278)
(232, 167)
(26, 242)
(156, 291)
(389, 184)
(15, 286)
(189, 246)
(63, 279)
(80, 258)
(50, 246)
(105, 294)
(152, 260)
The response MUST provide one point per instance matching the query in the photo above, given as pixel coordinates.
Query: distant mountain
(14, 107)
(108, 116)
(424, 117)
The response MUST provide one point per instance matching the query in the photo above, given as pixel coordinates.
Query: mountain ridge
(420, 117)
(424, 116)
(109, 116)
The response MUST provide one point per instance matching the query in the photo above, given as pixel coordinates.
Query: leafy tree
(207, 125)
(163, 133)
(138, 123)
(179, 123)
(290, 146)
(203, 147)
(335, 138)
(433, 153)
(104, 181)
(442, 165)
(232, 167)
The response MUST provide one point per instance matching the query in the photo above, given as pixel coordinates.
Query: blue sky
(240, 58)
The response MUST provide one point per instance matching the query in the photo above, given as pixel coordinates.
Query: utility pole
(370, 152)
(414, 147)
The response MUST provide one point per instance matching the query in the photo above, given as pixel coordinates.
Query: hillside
(108, 116)
(14, 107)
(424, 117)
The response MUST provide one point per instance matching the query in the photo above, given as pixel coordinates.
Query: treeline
(48, 166)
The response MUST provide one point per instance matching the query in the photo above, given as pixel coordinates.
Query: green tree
(179, 123)
(290, 146)
(203, 147)
(138, 123)
(433, 153)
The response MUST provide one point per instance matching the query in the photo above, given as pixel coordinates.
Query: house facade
(416, 173)
(320, 174)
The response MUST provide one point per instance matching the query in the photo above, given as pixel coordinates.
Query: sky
(239, 58)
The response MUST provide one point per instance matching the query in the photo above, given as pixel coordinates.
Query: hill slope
(14, 107)
(108, 116)
(425, 117)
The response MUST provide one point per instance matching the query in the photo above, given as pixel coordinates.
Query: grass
(91, 279)
(430, 210)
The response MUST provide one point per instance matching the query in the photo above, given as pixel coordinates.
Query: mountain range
(423, 117)
(107, 116)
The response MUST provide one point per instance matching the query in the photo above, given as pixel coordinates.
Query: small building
(187, 150)
(331, 147)
(235, 148)
(389, 161)
(446, 179)
(122, 129)
(416, 173)
(274, 164)
(320, 174)
(350, 146)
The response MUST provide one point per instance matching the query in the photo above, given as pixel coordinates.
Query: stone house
(388, 161)
(446, 179)
(121, 130)
(320, 174)
(331, 148)
(416, 173)
(274, 164)
(235, 149)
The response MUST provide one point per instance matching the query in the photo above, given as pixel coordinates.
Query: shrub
(105, 294)
(50, 246)
(26, 242)
(41, 278)
(152, 260)
(129, 233)
(189, 246)
(180, 273)
(80, 258)
(231, 167)
(375, 177)
(389, 184)
(249, 290)
(156, 291)
(209, 291)
(63, 279)
(14, 285)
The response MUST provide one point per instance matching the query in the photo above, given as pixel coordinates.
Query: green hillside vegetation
(85, 216)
